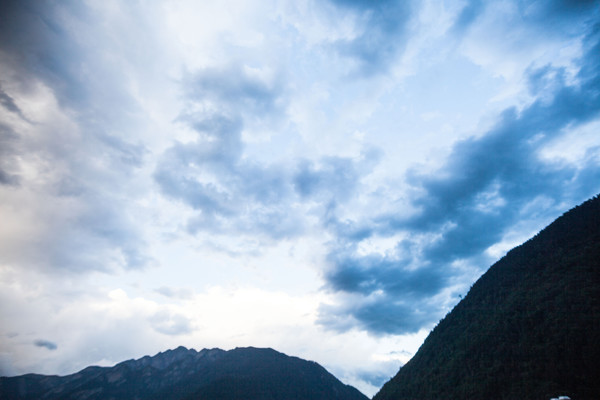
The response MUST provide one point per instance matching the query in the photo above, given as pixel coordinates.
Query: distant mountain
(529, 328)
(182, 374)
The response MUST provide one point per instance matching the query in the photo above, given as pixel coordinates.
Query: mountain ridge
(181, 373)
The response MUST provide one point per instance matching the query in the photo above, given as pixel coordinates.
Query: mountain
(182, 374)
(529, 328)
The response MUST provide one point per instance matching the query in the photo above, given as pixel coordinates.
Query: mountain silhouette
(181, 374)
(529, 328)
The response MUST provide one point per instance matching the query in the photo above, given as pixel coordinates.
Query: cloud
(9, 104)
(557, 15)
(335, 178)
(43, 48)
(508, 38)
(65, 160)
(488, 184)
(175, 293)
(48, 42)
(8, 140)
(46, 344)
(373, 273)
(553, 16)
(381, 314)
(488, 176)
(391, 294)
(229, 128)
(209, 173)
(374, 378)
(235, 89)
(382, 33)
(170, 323)
(468, 15)
(231, 192)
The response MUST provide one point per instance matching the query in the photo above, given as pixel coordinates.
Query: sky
(325, 178)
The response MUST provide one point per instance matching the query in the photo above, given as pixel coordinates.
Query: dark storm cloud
(488, 184)
(389, 294)
(388, 314)
(46, 344)
(40, 45)
(368, 274)
(488, 180)
(379, 315)
(383, 35)
(49, 44)
(48, 41)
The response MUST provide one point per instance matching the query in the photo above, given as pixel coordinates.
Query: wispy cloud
(209, 173)
(233, 193)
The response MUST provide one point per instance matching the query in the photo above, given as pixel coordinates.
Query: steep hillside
(243, 373)
(529, 328)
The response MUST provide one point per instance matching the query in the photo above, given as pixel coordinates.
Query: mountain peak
(182, 373)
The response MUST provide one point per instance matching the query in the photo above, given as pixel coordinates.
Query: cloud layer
(488, 184)
(360, 162)
(63, 157)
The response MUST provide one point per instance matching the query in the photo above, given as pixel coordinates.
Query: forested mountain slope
(529, 328)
